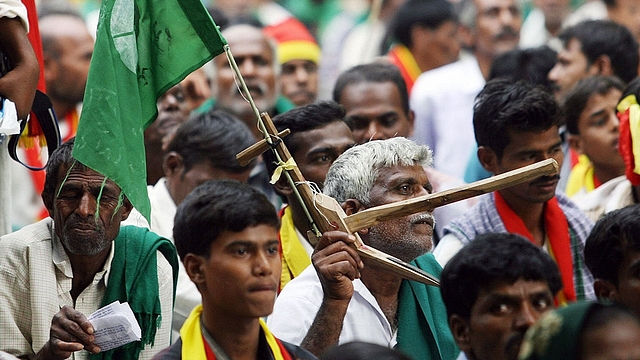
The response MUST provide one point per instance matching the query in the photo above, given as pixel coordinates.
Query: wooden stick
(245, 156)
(375, 215)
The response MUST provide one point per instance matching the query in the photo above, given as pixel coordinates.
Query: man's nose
(87, 205)
(302, 76)
(248, 68)
(526, 317)
(374, 131)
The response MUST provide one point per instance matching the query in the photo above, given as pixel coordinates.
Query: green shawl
(134, 278)
(423, 328)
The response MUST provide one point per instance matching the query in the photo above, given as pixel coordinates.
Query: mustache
(507, 32)
(545, 179)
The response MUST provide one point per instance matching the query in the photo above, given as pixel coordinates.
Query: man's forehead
(484, 5)
(82, 174)
(401, 172)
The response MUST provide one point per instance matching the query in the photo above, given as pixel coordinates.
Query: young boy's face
(242, 274)
(598, 130)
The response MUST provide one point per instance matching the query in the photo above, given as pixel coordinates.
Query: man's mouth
(423, 219)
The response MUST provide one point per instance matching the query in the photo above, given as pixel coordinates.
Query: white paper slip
(114, 325)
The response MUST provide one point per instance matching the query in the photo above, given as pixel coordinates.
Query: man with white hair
(341, 299)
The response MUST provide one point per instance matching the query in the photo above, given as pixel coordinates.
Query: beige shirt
(35, 282)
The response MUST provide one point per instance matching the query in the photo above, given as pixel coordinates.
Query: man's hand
(337, 264)
(19, 84)
(70, 332)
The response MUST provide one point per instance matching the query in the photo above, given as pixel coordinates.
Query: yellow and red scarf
(194, 346)
(629, 144)
(559, 245)
(401, 57)
(293, 255)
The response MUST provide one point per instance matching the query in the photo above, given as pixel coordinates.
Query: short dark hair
(215, 137)
(577, 99)
(605, 37)
(505, 105)
(377, 72)
(359, 350)
(491, 259)
(532, 65)
(217, 206)
(424, 13)
(304, 118)
(611, 237)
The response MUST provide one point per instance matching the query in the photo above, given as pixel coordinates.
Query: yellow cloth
(294, 257)
(193, 343)
(581, 176)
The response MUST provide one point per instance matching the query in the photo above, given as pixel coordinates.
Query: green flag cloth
(143, 48)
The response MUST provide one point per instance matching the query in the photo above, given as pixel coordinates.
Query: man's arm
(19, 84)
(337, 265)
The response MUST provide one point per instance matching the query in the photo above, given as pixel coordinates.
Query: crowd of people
(380, 101)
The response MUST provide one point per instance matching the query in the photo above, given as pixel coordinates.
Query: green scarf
(423, 329)
(134, 278)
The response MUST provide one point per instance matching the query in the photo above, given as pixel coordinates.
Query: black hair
(577, 99)
(633, 88)
(489, 260)
(358, 350)
(531, 65)
(604, 37)
(504, 105)
(304, 118)
(217, 206)
(612, 236)
(375, 73)
(215, 137)
(424, 13)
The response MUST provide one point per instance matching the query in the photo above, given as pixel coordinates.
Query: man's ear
(352, 206)
(488, 159)
(193, 265)
(126, 209)
(460, 330)
(282, 187)
(575, 142)
(172, 164)
(466, 36)
(47, 199)
(601, 66)
(605, 290)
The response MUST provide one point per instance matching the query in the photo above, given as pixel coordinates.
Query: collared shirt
(297, 305)
(36, 279)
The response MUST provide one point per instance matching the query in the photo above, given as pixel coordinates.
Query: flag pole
(247, 95)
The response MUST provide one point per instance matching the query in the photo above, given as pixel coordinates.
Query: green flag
(143, 48)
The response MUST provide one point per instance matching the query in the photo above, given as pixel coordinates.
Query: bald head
(67, 47)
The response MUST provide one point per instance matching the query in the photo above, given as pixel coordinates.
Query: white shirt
(297, 305)
(442, 100)
(612, 195)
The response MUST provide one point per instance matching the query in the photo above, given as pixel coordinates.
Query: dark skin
(19, 84)
(73, 208)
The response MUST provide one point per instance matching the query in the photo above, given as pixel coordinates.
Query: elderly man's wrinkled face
(255, 59)
(408, 237)
(87, 210)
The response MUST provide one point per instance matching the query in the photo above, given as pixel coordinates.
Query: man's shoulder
(31, 234)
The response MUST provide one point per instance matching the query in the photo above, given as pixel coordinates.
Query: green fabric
(143, 48)
(423, 329)
(555, 335)
(134, 278)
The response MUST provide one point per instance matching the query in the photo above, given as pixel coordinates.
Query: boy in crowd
(226, 234)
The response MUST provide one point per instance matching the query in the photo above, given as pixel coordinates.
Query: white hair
(354, 172)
